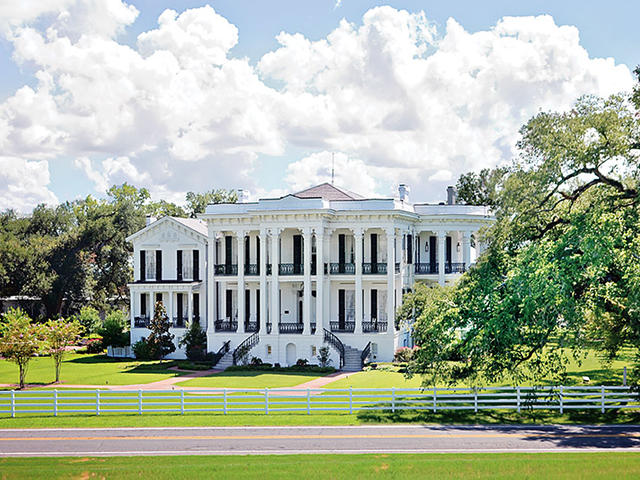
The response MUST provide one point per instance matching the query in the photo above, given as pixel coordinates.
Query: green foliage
(160, 340)
(324, 356)
(93, 344)
(89, 318)
(266, 367)
(20, 340)
(194, 342)
(114, 330)
(403, 355)
(480, 188)
(58, 335)
(142, 350)
(197, 202)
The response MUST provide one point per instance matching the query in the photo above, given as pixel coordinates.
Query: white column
(466, 249)
(241, 286)
(190, 305)
(306, 292)
(357, 238)
(320, 311)
(263, 282)
(275, 282)
(223, 300)
(170, 307)
(391, 268)
(131, 307)
(211, 280)
(441, 245)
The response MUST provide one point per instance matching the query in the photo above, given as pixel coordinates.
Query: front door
(297, 254)
(374, 253)
(341, 308)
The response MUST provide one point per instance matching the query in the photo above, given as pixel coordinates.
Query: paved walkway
(169, 383)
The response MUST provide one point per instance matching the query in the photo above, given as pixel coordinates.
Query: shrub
(324, 356)
(93, 344)
(160, 340)
(142, 350)
(195, 342)
(255, 361)
(89, 318)
(114, 330)
(302, 362)
(403, 355)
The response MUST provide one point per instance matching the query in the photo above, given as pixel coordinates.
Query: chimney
(149, 219)
(451, 195)
(403, 192)
(243, 196)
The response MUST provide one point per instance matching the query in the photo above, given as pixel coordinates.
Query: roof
(326, 191)
(194, 224)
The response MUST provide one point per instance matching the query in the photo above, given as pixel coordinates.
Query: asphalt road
(287, 440)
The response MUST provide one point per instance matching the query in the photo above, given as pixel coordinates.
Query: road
(283, 440)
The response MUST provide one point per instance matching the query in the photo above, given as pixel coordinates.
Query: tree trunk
(22, 375)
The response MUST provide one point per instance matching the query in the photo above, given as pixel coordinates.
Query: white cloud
(399, 100)
(24, 184)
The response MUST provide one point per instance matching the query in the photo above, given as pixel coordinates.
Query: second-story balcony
(252, 269)
(343, 327)
(374, 326)
(342, 268)
(226, 269)
(433, 268)
(141, 321)
(226, 325)
(374, 268)
(291, 269)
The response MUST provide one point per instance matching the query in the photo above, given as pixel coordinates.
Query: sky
(180, 96)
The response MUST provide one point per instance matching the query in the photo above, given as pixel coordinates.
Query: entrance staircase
(351, 359)
(225, 362)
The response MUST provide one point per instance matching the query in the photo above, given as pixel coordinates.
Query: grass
(86, 369)
(250, 379)
(449, 466)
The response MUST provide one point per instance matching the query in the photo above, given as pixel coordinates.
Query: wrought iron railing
(397, 268)
(426, 268)
(290, 327)
(374, 268)
(245, 347)
(226, 269)
(344, 327)
(226, 325)
(342, 268)
(335, 342)
(454, 267)
(252, 269)
(178, 322)
(251, 326)
(365, 354)
(291, 269)
(374, 326)
(141, 322)
(268, 269)
(221, 353)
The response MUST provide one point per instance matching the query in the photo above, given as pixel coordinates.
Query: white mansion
(281, 277)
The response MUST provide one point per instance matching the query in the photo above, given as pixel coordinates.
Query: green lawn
(250, 379)
(86, 369)
(450, 466)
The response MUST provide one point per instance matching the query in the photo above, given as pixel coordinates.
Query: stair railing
(365, 353)
(335, 342)
(245, 347)
(220, 353)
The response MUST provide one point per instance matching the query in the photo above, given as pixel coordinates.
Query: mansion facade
(279, 278)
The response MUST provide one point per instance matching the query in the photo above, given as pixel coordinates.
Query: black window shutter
(196, 265)
(409, 248)
(158, 265)
(448, 251)
(143, 266)
(247, 250)
(196, 305)
(143, 304)
(179, 263)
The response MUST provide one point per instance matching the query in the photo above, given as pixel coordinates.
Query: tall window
(187, 265)
(150, 265)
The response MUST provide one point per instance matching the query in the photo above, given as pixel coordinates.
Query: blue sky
(251, 130)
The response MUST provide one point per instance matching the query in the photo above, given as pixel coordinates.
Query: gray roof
(194, 224)
(326, 191)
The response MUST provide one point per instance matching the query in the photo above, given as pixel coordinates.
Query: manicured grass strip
(250, 379)
(336, 418)
(618, 465)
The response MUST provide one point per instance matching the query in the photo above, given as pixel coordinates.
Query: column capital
(240, 233)
(357, 231)
(466, 235)
(441, 233)
(390, 231)
(319, 231)
(275, 231)
(306, 231)
(264, 232)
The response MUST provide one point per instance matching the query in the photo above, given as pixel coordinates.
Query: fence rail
(227, 400)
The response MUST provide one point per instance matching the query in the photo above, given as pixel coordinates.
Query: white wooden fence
(229, 401)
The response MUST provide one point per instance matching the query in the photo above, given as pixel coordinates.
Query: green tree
(195, 342)
(197, 202)
(20, 340)
(89, 318)
(160, 340)
(58, 335)
(114, 331)
(480, 188)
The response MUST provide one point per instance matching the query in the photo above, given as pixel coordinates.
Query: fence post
(518, 398)
(139, 402)
(55, 402)
(435, 390)
(182, 401)
(393, 399)
(97, 402)
(475, 399)
(602, 397)
(350, 400)
(13, 403)
(266, 400)
(224, 401)
(561, 404)
(308, 401)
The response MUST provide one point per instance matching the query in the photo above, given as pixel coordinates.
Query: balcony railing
(226, 269)
(252, 269)
(374, 326)
(291, 269)
(426, 268)
(251, 326)
(374, 268)
(454, 267)
(179, 322)
(269, 325)
(290, 327)
(344, 327)
(342, 268)
(226, 325)
(397, 268)
(141, 322)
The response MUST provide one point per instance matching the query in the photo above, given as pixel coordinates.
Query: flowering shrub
(403, 354)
